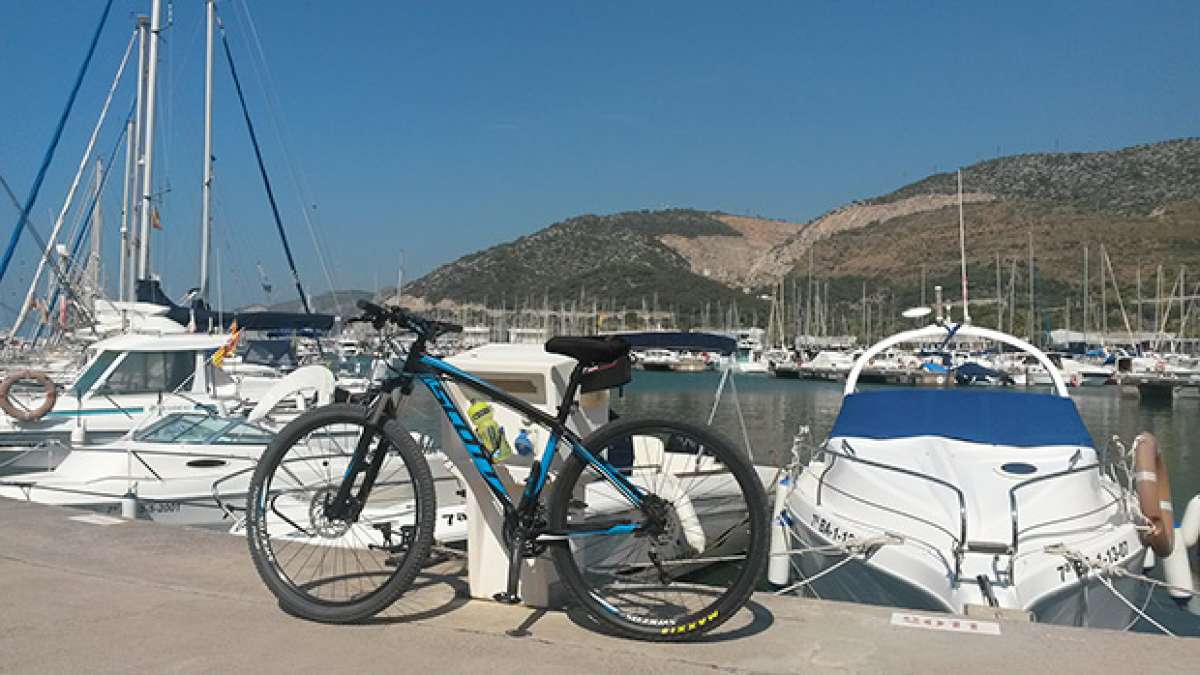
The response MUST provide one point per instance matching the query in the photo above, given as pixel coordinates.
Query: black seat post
(564, 408)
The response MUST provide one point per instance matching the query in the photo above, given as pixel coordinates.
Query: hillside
(1130, 181)
(325, 303)
(1142, 202)
(1112, 184)
(617, 260)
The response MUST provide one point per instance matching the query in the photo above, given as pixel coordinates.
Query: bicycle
(658, 528)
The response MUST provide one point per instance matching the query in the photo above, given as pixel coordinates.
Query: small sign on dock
(947, 623)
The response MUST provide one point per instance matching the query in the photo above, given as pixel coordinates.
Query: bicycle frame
(432, 372)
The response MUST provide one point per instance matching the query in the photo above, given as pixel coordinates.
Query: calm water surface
(774, 409)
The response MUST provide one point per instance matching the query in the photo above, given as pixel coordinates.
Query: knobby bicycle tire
(695, 623)
(291, 598)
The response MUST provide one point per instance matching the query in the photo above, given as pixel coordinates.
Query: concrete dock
(136, 597)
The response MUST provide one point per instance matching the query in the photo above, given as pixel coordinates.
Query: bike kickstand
(510, 597)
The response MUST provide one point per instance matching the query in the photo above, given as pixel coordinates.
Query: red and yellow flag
(229, 347)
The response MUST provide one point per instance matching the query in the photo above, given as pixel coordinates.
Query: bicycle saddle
(588, 351)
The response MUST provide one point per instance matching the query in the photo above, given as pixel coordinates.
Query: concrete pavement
(139, 597)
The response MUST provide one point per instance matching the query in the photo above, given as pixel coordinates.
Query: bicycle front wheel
(339, 570)
(678, 567)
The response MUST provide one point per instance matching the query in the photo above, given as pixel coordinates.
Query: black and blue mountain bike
(659, 528)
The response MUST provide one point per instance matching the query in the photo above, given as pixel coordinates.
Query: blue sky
(438, 129)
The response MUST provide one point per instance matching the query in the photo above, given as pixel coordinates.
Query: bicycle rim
(329, 569)
(683, 571)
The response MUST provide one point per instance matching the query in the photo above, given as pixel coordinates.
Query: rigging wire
(79, 235)
(62, 122)
(87, 153)
(58, 273)
(262, 168)
(299, 180)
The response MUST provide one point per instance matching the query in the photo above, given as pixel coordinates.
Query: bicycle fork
(346, 506)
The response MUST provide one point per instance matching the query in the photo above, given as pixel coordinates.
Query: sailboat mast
(143, 266)
(1139, 298)
(135, 179)
(94, 252)
(962, 251)
(999, 299)
(206, 188)
(1032, 313)
(1085, 293)
(1103, 300)
(125, 210)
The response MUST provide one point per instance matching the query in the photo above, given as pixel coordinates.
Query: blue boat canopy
(992, 417)
(150, 290)
(699, 342)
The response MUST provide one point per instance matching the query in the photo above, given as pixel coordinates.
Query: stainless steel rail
(851, 455)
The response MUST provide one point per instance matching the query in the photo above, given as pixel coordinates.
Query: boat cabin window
(93, 372)
(241, 433)
(200, 428)
(145, 372)
(191, 428)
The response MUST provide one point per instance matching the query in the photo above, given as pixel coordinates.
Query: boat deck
(141, 597)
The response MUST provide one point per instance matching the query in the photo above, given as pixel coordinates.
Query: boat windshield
(197, 428)
(93, 372)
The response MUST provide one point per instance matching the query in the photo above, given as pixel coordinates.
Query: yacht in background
(750, 356)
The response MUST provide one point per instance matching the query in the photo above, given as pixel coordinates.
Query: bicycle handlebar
(379, 316)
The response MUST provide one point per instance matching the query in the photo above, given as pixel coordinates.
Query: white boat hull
(1076, 602)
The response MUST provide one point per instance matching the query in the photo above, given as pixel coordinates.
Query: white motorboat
(657, 359)
(751, 356)
(1075, 373)
(128, 381)
(951, 498)
(827, 365)
(167, 469)
(188, 468)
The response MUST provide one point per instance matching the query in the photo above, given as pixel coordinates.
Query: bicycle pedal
(507, 598)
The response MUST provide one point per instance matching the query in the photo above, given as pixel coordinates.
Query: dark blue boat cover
(700, 342)
(993, 417)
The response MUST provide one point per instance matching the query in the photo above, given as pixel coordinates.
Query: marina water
(773, 409)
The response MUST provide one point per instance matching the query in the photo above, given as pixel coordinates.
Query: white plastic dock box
(539, 378)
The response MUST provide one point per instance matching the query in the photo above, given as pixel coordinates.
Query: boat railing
(1013, 507)
(48, 448)
(960, 542)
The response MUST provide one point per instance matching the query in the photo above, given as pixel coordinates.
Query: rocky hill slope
(1142, 202)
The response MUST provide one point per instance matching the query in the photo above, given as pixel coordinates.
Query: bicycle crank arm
(510, 596)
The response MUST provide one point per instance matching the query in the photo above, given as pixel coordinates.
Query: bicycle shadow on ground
(440, 588)
(740, 626)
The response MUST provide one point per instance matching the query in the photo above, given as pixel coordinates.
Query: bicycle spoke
(689, 548)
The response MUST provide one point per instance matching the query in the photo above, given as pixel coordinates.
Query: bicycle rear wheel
(692, 562)
(331, 570)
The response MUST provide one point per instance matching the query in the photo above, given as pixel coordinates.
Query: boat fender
(1154, 494)
(20, 413)
(1189, 526)
(779, 563)
(1178, 572)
